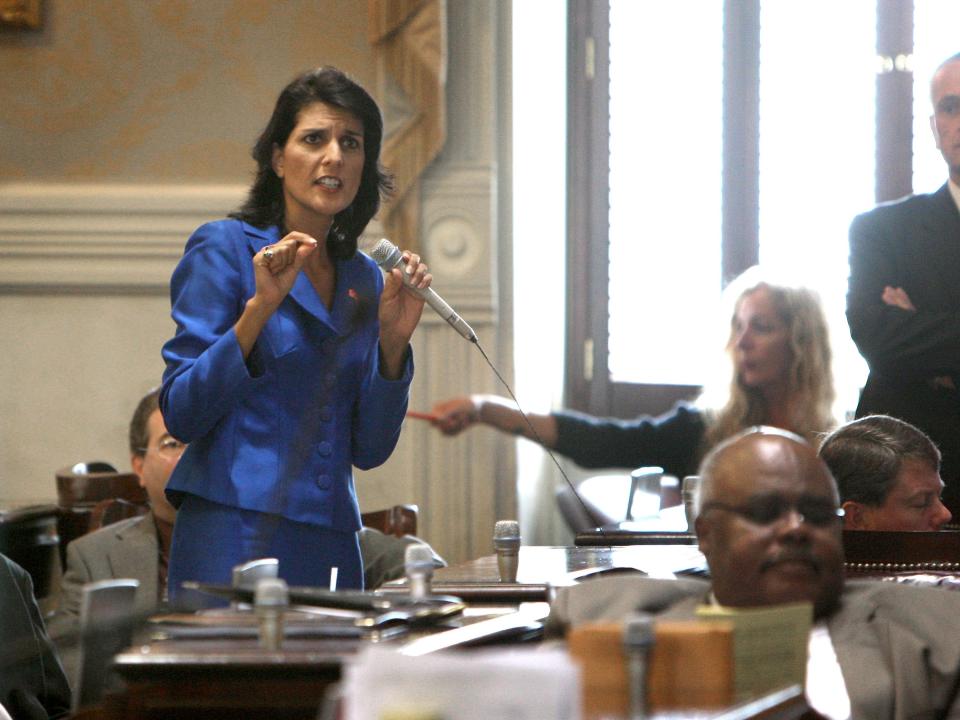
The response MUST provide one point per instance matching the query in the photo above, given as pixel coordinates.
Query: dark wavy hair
(264, 204)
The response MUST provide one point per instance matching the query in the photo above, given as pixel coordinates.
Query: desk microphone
(506, 541)
(270, 602)
(418, 562)
(638, 638)
(388, 256)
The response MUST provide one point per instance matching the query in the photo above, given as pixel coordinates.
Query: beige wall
(134, 91)
(124, 124)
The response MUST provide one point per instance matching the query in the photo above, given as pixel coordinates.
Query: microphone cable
(388, 256)
(539, 440)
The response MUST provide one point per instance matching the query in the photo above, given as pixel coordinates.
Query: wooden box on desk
(690, 666)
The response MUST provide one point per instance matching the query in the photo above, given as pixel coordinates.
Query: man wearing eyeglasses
(769, 525)
(135, 548)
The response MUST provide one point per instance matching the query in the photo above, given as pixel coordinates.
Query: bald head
(768, 522)
(760, 453)
(945, 120)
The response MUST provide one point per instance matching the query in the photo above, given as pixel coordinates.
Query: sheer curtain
(539, 241)
(666, 114)
(817, 153)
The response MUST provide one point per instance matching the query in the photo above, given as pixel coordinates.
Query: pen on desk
(422, 415)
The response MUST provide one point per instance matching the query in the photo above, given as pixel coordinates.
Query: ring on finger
(268, 253)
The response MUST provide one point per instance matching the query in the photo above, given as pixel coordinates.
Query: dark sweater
(672, 441)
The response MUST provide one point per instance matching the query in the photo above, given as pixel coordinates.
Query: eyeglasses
(767, 509)
(168, 447)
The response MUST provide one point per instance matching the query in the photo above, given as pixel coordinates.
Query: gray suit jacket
(898, 645)
(126, 549)
(384, 556)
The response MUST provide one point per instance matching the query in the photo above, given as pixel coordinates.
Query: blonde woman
(776, 371)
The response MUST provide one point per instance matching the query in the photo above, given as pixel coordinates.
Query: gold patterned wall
(160, 91)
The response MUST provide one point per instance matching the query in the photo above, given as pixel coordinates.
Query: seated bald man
(888, 474)
(769, 525)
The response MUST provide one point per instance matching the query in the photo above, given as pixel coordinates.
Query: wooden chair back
(398, 520)
(81, 487)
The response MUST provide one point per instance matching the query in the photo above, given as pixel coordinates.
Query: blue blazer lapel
(347, 302)
(306, 297)
(302, 291)
(258, 238)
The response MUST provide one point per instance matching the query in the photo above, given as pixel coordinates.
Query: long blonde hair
(730, 406)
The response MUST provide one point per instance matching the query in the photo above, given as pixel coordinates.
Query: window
(666, 100)
(707, 136)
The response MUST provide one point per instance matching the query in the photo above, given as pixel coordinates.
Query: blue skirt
(209, 539)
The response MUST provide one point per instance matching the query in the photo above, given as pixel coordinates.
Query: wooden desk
(540, 564)
(235, 678)
(220, 679)
(541, 567)
(669, 527)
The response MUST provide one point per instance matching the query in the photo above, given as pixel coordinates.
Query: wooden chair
(871, 553)
(398, 520)
(81, 487)
(29, 537)
(107, 512)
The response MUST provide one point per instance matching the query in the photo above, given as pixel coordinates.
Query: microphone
(638, 638)
(388, 256)
(270, 602)
(506, 541)
(418, 562)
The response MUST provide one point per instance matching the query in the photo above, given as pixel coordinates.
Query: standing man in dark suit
(903, 302)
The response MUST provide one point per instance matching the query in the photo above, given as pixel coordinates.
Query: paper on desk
(769, 645)
(508, 684)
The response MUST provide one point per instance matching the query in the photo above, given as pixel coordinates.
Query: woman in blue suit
(291, 361)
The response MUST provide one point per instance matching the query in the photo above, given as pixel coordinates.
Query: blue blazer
(279, 432)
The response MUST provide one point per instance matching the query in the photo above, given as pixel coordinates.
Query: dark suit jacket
(896, 644)
(914, 244)
(32, 682)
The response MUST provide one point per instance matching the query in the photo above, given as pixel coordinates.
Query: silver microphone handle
(388, 256)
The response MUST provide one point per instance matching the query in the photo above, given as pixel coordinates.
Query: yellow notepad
(769, 645)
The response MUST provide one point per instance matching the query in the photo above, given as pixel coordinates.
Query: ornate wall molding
(70, 238)
(410, 37)
(458, 236)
